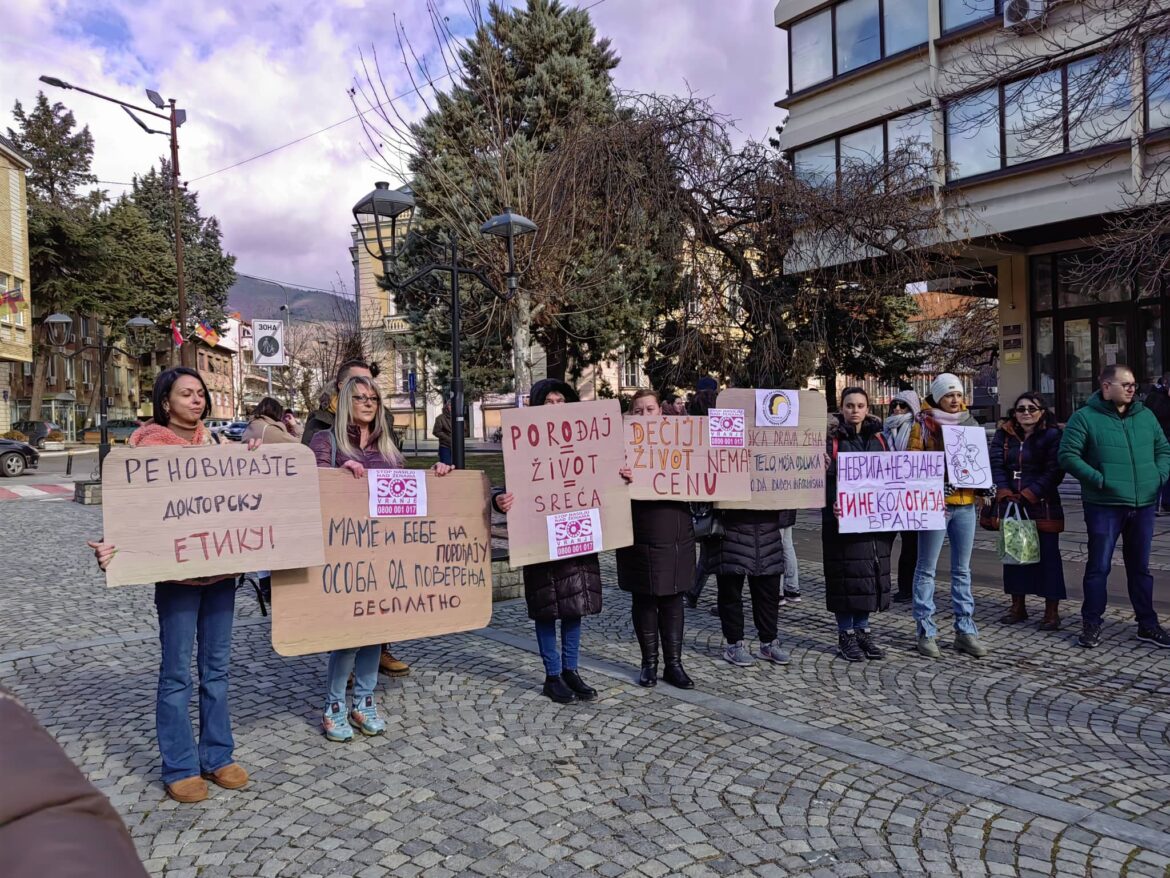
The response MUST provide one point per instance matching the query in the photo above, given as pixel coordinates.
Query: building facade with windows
(16, 343)
(217, 365)
(1045, 139)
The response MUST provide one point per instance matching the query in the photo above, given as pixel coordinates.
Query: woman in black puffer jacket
(567, 589)
(857, 566)
(657, 571)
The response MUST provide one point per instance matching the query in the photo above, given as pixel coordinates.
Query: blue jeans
(791, 582)
(445, 454)
(852, 622)
(187, 613)
(363, 662)
(546, 637)
(960, 533)
(1136, 529)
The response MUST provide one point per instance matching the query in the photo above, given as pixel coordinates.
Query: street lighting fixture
(59, 326)
(174, 117)
(390, 206)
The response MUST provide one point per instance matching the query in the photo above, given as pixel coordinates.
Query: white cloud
(254, 76)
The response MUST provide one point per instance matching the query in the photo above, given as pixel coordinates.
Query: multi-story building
(15, 316)
(1040, 159)
(217, 366)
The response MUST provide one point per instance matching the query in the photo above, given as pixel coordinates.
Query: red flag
(176, 335)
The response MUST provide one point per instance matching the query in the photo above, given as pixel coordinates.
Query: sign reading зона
(389, 579)
(186, 513)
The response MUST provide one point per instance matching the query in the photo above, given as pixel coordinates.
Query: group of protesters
(1113, 445)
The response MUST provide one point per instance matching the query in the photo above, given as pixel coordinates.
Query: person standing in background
(1158, 401)
(443, 430)
(904, 408)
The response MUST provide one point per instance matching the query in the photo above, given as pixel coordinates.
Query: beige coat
(267, 431)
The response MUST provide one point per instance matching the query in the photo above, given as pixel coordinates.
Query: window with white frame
(631, 372)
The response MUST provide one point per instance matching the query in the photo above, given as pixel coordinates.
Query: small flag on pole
(176, 336)
(204, 330)
(13, 299)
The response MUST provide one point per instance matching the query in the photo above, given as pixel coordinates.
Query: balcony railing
(395, 325)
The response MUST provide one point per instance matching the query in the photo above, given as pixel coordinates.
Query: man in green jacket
(1114, 446)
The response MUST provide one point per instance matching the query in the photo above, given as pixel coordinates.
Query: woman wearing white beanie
(945, 406)
(904, 407)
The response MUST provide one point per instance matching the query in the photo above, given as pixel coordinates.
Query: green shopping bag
(1018, 540)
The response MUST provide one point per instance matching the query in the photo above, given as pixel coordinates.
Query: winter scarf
(156, 434)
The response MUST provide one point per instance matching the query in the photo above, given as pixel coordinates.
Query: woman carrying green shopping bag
(1026, 470)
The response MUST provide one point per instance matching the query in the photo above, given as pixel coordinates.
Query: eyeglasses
(1126, 385)
(1026, 409)
(898, 404)
(363, 398)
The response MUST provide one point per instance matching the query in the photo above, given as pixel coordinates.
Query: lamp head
(155, 98)
(379, 212)
(508, 225)
(54, 81)
(58, 327)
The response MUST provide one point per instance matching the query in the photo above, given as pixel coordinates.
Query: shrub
(55, 436)
(14, 434)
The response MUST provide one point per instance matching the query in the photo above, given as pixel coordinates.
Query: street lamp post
(58, 326)
(174, 118)
(386, 204)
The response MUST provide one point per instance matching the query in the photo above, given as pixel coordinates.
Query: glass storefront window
(1034, 117)
(1111, 341)
(1078, 363)
(973, 135)
(956, 13)
(1150, 336)
(859, 39)
(811, 50)
(1158, 82)
(1099, 101)
(1041, 283)
(1045, 365)
(1073, 272)
(905, 24)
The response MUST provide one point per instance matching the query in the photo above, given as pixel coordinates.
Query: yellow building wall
(15, 328)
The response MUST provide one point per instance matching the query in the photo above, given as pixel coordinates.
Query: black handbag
(706, 521)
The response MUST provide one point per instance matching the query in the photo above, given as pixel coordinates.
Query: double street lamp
(59, 326)
(174, 117)
(383, 219)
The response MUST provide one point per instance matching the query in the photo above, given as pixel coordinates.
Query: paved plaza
(1041, 759)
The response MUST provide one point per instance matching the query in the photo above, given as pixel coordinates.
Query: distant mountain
(254, 298)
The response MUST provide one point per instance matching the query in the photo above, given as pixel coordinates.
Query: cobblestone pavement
(1038, 760)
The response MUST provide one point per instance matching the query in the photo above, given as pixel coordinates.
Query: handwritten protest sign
(968, 464)
(186, 513)
(672, 459)
(788, 463)
(389, 579)
(564, 458)
(890, 491)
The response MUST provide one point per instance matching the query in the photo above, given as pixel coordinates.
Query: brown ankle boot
(1017, 613)
(1051, 620)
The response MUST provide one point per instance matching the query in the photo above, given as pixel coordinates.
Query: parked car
(234, 431)
(17, 457)
(120, 431)
(216, 425)
(36, 431)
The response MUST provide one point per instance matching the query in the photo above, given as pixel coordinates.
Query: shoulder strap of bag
(332, 450)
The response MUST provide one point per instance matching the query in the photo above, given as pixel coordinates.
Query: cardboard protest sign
(890, 491)
(564, 458)
(968, 463)
(385, 580)
(787, 463)
(672, 459)
(190, 512)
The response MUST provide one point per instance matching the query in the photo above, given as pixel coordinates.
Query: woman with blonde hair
(359, 440)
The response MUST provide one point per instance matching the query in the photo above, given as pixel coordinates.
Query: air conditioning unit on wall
(1023, 13)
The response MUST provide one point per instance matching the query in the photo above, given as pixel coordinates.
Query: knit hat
(910, 398)
(706, 383)
(944, 384)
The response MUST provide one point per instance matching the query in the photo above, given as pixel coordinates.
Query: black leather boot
(555, 688)
(670, 623)
(645, 617)
(573, 681)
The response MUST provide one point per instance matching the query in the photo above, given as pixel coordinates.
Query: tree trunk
(556, 352)
(522, 344)
(39, 379)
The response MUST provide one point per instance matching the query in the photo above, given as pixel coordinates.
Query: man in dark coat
(1158, 401)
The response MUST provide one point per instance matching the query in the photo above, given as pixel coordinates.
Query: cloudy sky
(257, 75)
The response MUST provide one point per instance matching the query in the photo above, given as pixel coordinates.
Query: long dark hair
(162, 392)
(268, 408)
(1046, 418)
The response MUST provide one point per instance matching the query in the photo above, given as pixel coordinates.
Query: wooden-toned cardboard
(672, 459)
(192, 512)
(788, 465)
(386, 580)
(561, 458)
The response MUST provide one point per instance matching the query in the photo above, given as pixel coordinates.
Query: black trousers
(765, 591)
(907, 561)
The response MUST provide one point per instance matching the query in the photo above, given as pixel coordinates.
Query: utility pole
(186, 351)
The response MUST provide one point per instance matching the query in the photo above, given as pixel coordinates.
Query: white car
(216, 425)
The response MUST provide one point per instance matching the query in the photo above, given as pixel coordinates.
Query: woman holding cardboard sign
(657, 571)
(190, 610)
(857, 565)
(566, 590)
(358, 440)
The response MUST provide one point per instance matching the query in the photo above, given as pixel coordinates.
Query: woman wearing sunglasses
(1024, 464)
(359, 440)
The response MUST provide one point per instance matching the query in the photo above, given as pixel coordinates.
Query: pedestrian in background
(1025, 464)
(267, 424)
(443, 430)
(359, 440)
(189, 611)
(564, 590)
(1114, 446)
(857, 565)
(656, 570)
(1158, 402)
(904, 407)
(289, 419)
(946, 406)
